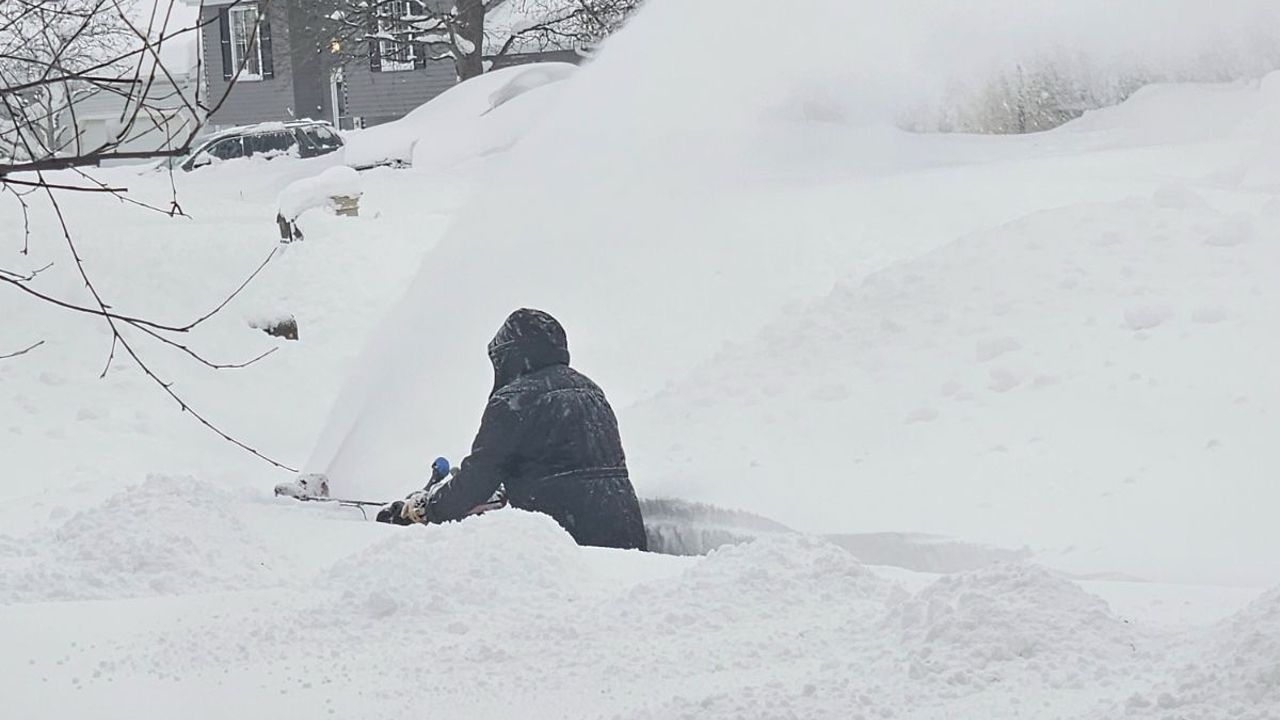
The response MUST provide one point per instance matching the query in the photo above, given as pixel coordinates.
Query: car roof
(266, 127)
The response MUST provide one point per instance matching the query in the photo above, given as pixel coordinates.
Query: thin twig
(111, 320)
(199, 358)
(23, 351)
(20, 278)
(104, 311)
(76, 188)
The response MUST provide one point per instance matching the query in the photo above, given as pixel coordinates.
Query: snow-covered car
(300, 138)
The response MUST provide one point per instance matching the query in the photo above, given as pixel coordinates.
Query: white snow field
(1055, 351)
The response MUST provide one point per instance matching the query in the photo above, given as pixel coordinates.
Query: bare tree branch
(461, 30)
(103, 310)
(119, 339)
(53, 55)
(23, 351)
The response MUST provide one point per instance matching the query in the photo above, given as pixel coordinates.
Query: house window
(246, 48)
(396, 47)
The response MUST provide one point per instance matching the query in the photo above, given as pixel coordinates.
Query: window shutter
(375, 51)
(264, 40)
(224, 32)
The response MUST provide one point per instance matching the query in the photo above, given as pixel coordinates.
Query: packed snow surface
(1031, 376)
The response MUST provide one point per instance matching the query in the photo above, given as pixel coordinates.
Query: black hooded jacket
(549, 436)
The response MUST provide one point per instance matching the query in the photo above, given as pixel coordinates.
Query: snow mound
(314, 192)
(1174, 112)
(976, 628)
(783, 565)
(1236, 674)
(958, 389)
(472, 119)
(783, 573)
(166, 536)
(490, 561)
(533, 77)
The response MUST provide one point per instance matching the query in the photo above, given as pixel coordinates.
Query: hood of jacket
(529, 341)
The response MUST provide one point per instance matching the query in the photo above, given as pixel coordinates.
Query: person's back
(550, 438)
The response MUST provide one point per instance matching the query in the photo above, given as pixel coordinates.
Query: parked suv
(301, 138)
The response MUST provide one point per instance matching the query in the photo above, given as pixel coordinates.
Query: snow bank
(504, 611)
(500, 559)
(466, 122)
(968, 629)
(319, 191)
(534, 76)
(166, 536)
(1234, 672)
(1084, 362)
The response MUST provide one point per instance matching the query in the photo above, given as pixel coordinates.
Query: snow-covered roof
(178, 25)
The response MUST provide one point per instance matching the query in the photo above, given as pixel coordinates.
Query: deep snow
(504, 611)
(1030, 373)
(1033, 340)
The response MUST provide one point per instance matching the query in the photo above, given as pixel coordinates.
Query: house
(282, 70)
(153, 107)
(157, 113)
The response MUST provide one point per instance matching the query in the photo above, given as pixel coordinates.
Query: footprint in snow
(1003, 380)
(921, 415)
(1145, 317)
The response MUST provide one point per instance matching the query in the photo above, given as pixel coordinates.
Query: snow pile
(1234, 673)
(982, 627)
(480, 117)
(763, 629)
(496, 560)
(166, 536)
(319, 191)
(534, 76)
(504, 610)
(790, 570)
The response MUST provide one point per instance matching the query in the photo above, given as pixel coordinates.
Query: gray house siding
(378, 97)
(302, 84)
(250, 101)
(309, 63)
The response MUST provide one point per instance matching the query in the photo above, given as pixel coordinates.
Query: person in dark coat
(549, 436)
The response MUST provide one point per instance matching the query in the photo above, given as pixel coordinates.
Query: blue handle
(439, 468)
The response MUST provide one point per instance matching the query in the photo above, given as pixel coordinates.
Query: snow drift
(786, 626)
(667, 210)
(477, 118)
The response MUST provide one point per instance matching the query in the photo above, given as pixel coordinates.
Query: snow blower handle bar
(440, 471)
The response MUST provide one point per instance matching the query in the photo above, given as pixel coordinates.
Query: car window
(228, 149)
(270, 142)
(320, 137)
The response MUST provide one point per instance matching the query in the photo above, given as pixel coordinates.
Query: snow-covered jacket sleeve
(492, 460)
